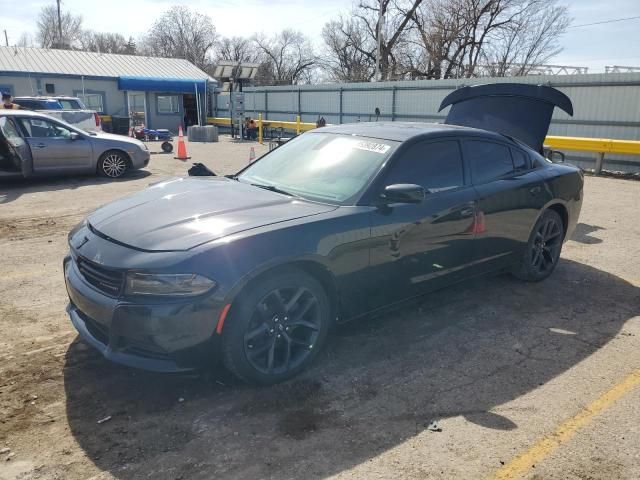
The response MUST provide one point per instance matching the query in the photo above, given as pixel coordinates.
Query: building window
(168, 104)
(93, 101)
(50, 88)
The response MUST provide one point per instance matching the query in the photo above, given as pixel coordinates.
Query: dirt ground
(497, 364)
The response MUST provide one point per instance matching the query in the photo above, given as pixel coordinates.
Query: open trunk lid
(518, 110)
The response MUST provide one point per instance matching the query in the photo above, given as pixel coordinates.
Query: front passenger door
(419, 247)
(52, 147)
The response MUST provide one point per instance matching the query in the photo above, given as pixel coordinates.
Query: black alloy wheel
(283, 330)
(276, 328)
(543, 249)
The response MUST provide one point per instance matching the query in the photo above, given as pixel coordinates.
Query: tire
(543, 248)
(276, 328)
(167, 147)
(113, 164)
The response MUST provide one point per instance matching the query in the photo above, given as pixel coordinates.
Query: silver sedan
(33, 143)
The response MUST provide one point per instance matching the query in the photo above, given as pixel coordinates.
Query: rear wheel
(276, 328)
(543, 249)
(113, 164)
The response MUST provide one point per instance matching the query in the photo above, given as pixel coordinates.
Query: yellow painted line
(565, 431)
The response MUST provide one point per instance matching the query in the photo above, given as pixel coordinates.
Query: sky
(592, 46)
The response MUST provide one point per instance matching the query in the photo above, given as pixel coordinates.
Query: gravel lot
(497, 364)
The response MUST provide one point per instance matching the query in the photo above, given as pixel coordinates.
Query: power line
(606, 21)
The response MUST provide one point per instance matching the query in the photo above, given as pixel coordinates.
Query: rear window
(68, 104)
(488, 160)
(520, 160)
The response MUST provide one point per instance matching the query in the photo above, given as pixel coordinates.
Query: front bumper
(139, 158)
(163, 337)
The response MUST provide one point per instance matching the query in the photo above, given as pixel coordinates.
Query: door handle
(467, 212)
(40, 145)
(535, 190)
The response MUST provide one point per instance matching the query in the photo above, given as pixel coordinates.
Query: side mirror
(403, 193)
(554, 155)
(557, 156)
(74, 136)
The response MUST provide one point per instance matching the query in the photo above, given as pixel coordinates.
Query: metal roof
(70, 62)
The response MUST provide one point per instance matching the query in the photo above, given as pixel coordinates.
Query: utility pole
(6, 38)
(59, 25)
(378, 56)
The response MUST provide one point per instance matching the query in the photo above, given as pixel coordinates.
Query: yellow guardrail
(296, 126)
(599, 146)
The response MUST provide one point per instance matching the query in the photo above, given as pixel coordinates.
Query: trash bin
(120, 125)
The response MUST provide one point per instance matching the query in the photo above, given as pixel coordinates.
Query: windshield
(321, 166)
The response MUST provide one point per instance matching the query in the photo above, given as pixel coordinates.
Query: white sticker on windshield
(373, 146)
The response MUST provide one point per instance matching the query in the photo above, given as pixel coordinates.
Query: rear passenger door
(510, 196)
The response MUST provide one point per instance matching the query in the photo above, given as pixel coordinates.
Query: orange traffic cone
(252, 155)
(182, 148)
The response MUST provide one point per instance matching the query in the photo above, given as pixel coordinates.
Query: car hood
(183, 213)
(111, 138)
(518, 110)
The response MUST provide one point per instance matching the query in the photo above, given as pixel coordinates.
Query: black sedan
(336, 224)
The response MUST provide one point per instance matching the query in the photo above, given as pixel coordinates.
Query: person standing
(7, 102)
(253, 129)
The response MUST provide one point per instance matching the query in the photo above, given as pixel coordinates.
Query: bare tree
(181, 33)
(530, 40)
(48, 35)
(287, 58)
(348, 52)
(397, 15)
(25, 40)
(91, 41)
(466, 38)
(237, 49)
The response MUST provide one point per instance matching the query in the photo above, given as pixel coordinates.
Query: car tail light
(97, 117)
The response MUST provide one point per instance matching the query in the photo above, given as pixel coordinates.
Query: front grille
(107, 280)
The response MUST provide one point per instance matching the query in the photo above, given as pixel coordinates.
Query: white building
(160, 91)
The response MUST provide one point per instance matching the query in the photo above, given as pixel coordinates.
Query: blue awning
(151, 84)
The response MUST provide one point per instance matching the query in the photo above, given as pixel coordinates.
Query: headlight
(180, 284)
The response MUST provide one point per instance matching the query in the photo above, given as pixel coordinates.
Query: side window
(8, 128)
(436, 166)
(520, 160)
(39, 128)
(488, 160)
(26, 104)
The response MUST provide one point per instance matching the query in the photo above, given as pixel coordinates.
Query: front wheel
(276, 328)
(113, 164)
(543, 249)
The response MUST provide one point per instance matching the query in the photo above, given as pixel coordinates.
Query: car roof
(23, 113)
(402, 131)
(43, 97)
